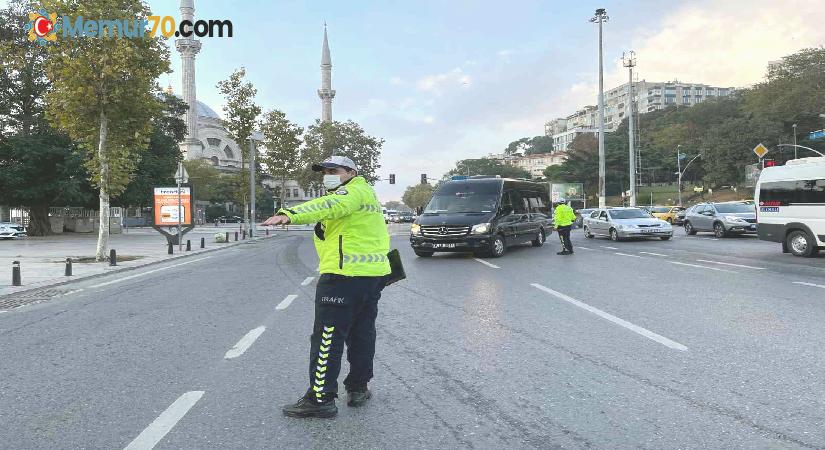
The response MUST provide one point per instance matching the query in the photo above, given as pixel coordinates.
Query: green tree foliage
(347, 139)
(158, 164)
(417, 196)
(205, 180)
(241, 119)
(530, 146)
(282, 144)
(104, 96)
(484, 166)
(39, 167)
(392, 204)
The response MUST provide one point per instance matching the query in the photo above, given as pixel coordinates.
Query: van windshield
(462, 202)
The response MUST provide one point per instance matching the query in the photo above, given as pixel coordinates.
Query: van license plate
(444, 245)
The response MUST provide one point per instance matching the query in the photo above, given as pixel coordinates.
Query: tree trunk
(103, 231)
(39, 221)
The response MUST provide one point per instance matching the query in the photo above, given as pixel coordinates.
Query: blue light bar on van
(458, 177)
(817, 135)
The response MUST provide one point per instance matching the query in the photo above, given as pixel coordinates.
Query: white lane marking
(609, 248)
(607, 316)
(73, 292)
(147, 273)
(286, 302)
(583, 248)
(653, 254)
(487, 263)
(702, 267)
(802, 283)
(307, 281)
(626, 254)
(245, 342)
(5, 311)
(730, 264)
(167, 420)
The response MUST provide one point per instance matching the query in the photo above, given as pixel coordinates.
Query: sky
(443, 81)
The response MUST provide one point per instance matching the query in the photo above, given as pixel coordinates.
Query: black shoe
(307, 406)
(563, 253)
(358, 398)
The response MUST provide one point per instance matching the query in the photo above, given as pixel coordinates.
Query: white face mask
(332, 181)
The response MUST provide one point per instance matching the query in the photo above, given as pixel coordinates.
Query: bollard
(188, 245)
(236, 235)
(112, 257)
(68, 267)
(203, 243)
(15, 273)
(244, 234)
(227, 237)
(171, 249)
(267, 231)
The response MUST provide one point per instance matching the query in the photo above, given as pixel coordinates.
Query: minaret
(326, 93)
(188, 48)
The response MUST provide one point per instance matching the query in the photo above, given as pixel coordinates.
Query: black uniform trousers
(345, 312)
(564, 236)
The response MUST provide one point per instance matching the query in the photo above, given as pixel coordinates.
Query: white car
(625, 223)
(10, 230)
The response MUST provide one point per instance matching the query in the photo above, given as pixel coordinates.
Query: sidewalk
(43, 259)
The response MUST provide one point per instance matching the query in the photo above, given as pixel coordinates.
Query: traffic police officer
(352, 242)
(563, 218)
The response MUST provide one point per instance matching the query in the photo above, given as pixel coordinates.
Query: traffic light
(392, 178)
(423, 178)
(770, 162)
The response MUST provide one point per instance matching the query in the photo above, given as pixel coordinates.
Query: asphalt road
(689, 343)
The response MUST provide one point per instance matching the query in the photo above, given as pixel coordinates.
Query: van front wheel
(801, 244)
(539, 241)
(497, 247)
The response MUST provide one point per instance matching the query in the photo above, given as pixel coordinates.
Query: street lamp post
(679, 172)
(801, 146)
(682, 172)
(794, 141)
(601, 17)
(630, 62)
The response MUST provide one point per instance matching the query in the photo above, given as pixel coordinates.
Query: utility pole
(252, 187)
(630, 62)
(601, 17)
(679, 172)
(794, 141)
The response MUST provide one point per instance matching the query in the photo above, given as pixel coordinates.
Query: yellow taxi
(666, 213)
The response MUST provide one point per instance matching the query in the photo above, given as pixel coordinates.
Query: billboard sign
(166, 206)
(567, 191)
(752, 172)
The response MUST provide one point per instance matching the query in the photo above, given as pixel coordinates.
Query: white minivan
(790, 202)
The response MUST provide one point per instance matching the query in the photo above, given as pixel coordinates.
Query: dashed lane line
(610, 317)
(626, 254)
(286, 302)
(701, 267)
(307, 281)
(809, 284)
(489, 264)
(653, 254)
(167, 420)
(730, 264)
(245, 342)
(609, 248)
(583, 248)
(147, 273)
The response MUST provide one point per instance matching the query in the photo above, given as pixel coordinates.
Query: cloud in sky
(440, 82)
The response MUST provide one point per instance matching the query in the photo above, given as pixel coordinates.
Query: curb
(130, 268)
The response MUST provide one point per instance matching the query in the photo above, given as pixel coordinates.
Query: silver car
(624, 223)
(722, 219)
(10, 230)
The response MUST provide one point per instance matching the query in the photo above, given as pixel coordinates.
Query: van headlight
(481, 228)
(415, 229)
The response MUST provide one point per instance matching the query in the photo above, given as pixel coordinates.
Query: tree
(282, 143)
(158, 164)
(484, 166)
(417, 196)
(241, 118)
(530, 146)
(204, 178)
(104, 96)
(346, 139)
(555, 173)
(38, 166)
(392, 204)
